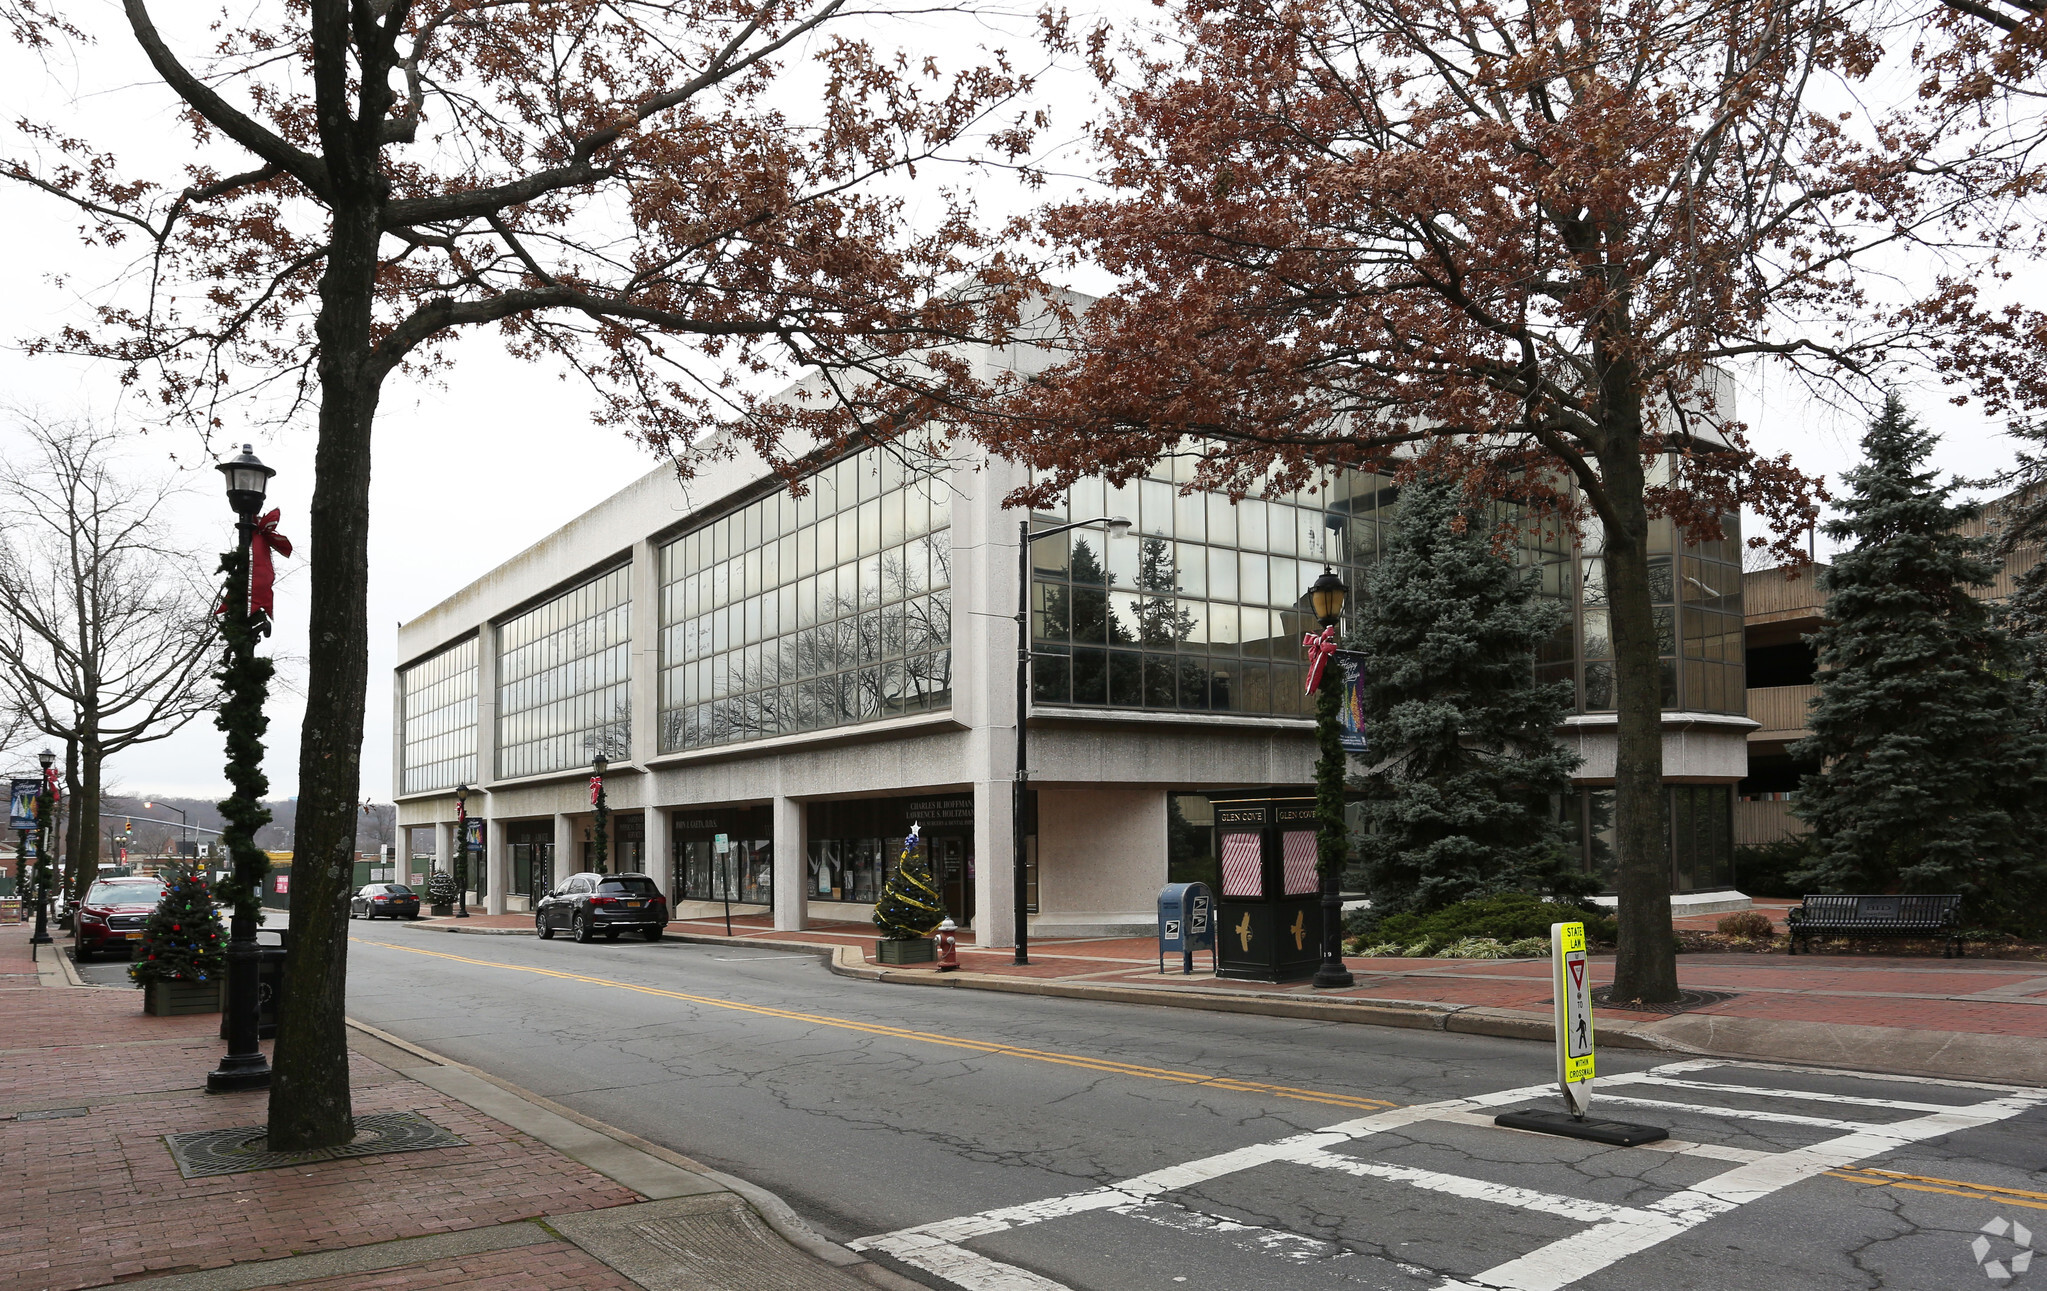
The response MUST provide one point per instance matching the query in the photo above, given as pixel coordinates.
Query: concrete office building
(808, 676)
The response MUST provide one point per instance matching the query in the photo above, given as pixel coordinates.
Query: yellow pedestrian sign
(1573, 996)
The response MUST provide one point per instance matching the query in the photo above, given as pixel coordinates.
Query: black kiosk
(1268, 912)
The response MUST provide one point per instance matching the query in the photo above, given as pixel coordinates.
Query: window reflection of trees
(879, 649)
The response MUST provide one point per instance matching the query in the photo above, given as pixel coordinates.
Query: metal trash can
(269, 987)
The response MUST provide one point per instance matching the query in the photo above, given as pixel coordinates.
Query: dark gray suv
(590, 905)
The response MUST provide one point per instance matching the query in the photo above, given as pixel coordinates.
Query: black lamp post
(1326, 596)
(461, 851)
(1117, 527)
(46, 806)
(244, 684)
(600, 816)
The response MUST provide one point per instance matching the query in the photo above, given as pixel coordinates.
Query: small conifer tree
(183, 940)
(1933, 774)
(1462, 738)
(2022, 535)
(910, 906)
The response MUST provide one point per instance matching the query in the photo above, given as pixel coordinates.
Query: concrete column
(564, 847)
(444, 846)
(644, 688)
(495, 868)
(660, 861)
(792, 866)
(994, 896)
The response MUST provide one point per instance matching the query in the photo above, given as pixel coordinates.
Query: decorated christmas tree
(440, 888)
(910, 906)
(183, 940)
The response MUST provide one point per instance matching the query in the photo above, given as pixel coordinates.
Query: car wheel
(581, 923)
(540, 925)
(79, 954)
(654, 934)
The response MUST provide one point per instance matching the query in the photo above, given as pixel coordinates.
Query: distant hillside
(156, 830)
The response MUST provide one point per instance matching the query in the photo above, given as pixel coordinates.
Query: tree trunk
(1646, 966)
(88, 805)
(309, 1093)
(79, 864)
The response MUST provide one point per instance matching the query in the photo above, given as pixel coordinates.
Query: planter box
(440, 909)
(175, 999)
(920, 951)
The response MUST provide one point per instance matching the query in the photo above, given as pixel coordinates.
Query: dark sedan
(590, 905)
(110, 918)
(394, 900)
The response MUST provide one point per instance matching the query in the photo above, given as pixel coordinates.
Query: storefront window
(801, 614)
(562, 680)
(438, 697)
(854, 845)
(743, 869)
(1698, 840)
(529, 851)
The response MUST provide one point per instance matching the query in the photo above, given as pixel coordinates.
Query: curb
(1945, 1055)
(775, 1212)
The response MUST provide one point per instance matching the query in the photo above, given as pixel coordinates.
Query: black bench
(1893, 916)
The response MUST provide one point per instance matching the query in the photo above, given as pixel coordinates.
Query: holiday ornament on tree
(183, 941)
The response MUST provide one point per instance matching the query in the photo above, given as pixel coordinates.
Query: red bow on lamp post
(1321, 647)
(262, 574)
(596, 789)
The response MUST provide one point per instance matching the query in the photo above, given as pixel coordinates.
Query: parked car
(111, 916)
(588, 905)
(393, 899)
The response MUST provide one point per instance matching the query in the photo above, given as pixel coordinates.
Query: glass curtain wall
(1202, 606)
(438, 696)
(801, 614)
(563, 674)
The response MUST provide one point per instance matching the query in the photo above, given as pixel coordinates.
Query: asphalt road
(1014, 1143)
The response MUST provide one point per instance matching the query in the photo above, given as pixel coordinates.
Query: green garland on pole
(244, 679)
(910, 906)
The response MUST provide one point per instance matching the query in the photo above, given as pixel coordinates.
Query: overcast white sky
(467, 474)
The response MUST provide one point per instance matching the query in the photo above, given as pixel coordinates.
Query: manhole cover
(210, 1152)
(1686, 1001)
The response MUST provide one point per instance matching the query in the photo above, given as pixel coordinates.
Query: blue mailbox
(1186, 923)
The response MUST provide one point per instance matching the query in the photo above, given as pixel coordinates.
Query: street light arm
(1077, 524)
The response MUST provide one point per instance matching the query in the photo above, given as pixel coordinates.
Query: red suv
(111, 916)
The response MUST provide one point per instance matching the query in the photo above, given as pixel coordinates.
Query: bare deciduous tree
(108, 625)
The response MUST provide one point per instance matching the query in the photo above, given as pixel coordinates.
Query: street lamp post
(600, 816)
(184, 822)
(245, 680)
(46, 806)
(1020, 896)
(461, 851)
(1327, 596)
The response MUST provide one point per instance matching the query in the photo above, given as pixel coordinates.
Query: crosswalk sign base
(1621, 1134)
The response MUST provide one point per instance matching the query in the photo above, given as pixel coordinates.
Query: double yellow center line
(1106, 1065)
(1952, 1187)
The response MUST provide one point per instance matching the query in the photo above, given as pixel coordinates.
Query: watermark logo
(2007, 1257)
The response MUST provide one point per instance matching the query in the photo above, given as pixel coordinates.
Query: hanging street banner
(22, 802)
(473, 827)
(1350, 705)
(1573, 996)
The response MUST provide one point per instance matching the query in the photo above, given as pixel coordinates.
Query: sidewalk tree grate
(204, 1153)
(1685, 1002)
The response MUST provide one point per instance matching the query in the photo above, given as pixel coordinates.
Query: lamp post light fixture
(600, 817)
(461, 851)
(1327, 596)
(245, 681)
(1117, 527)
(46, 806)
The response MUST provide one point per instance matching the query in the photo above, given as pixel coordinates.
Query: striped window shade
(1297, 846)
(1243, 859)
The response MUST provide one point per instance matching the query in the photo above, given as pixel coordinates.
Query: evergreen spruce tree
(2023, 532)
(183, 940)
(910, 906)
(1933, 774)
(1462, 737)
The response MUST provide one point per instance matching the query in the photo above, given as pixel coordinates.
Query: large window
(562, 680)
(800, 614)
(1202, 606)
(439, 699)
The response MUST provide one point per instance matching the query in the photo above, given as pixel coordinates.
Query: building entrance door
(952, 862)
